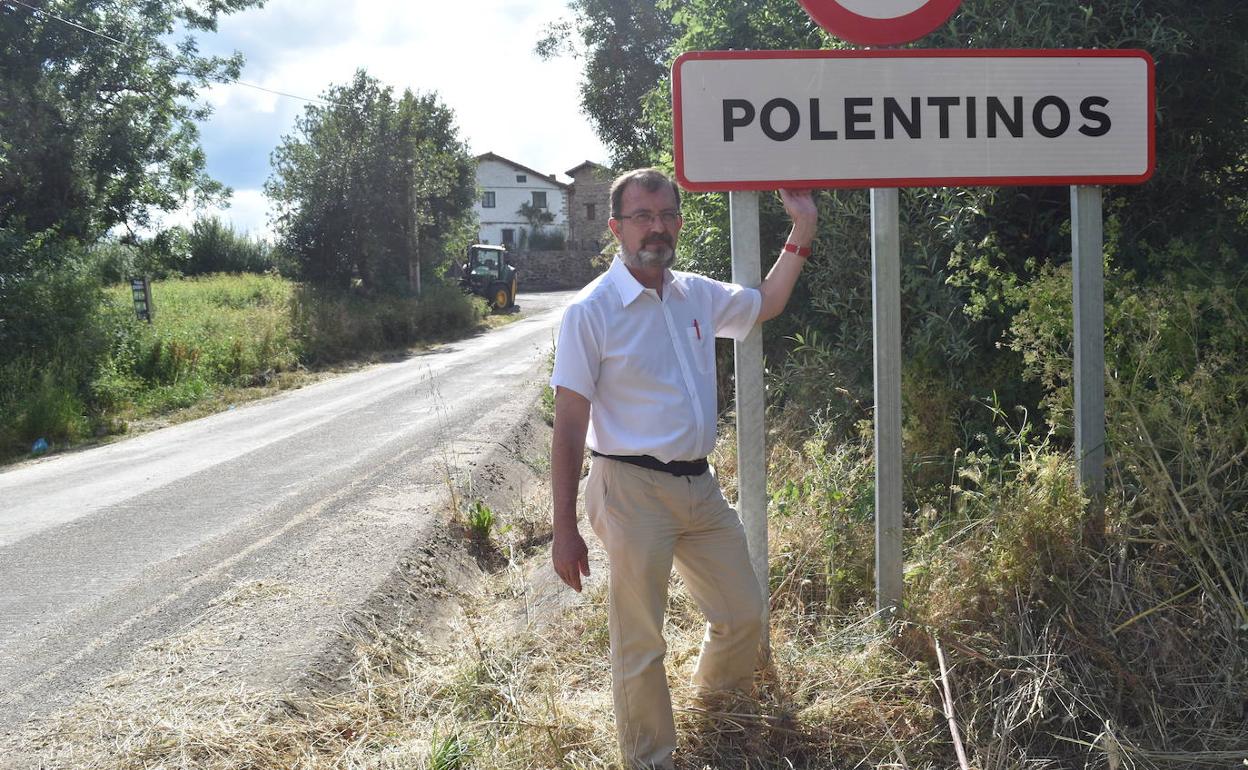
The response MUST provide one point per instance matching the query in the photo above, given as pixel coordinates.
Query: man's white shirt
(647, 365)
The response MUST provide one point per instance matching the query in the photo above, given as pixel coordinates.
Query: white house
(503, 185)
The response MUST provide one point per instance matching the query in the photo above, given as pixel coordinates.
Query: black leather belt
(675, 467)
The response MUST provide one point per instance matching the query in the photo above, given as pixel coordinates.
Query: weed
(546, 405)
(449, 752)
(480, 520)
(52, 411)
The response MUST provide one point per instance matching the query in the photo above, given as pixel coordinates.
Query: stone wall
(555, 270)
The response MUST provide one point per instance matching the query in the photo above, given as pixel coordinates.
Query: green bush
(216, 248)
(822, 519)
(335, 325)
(1184, 329)
(50, 408)
(50, 342)
(48, 295)
(540, 240)
(114, 261)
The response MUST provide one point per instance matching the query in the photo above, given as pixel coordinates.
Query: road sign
(880, 22)
(141, 292)
(758, 120)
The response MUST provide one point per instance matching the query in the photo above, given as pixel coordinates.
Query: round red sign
(880, 22)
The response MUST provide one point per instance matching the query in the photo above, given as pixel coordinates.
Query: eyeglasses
(646, 218)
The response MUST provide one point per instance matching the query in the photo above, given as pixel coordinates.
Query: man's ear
(614, 224)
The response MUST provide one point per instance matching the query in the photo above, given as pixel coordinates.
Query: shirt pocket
(701, 349)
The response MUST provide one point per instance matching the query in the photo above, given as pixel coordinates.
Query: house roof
(572, 171)
(548, 177)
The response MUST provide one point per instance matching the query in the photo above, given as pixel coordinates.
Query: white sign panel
(912, 118)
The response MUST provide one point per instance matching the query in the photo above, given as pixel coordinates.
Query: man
(634, 379)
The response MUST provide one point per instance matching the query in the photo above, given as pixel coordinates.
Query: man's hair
(650, 179)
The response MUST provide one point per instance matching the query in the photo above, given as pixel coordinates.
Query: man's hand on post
(800, 206)
(778, 285)
(570, 557)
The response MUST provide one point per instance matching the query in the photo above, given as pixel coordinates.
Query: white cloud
(476, 54)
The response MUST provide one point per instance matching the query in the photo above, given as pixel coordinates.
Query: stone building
(589, 206)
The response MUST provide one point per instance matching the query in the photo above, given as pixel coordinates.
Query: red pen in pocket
(696, 329)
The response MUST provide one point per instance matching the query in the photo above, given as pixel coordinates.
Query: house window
(539, 200)
(509, 236)
(522, 178)
(487, 199)
(589, 211)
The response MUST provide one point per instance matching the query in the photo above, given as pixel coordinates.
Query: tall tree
(97, 110)
(625, 48)
(369, 183)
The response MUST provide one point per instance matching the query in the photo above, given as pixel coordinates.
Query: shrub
(47, 294)
(216, 248)
(540, 240)
(823, 523)
(114, 261)
(334, 325)
(50, 409)
(48, 302)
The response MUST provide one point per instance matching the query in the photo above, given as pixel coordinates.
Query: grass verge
(215, 341)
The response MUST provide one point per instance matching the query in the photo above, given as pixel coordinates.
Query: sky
(476, 54)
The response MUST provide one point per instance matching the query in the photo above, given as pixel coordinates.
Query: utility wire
(161, 54)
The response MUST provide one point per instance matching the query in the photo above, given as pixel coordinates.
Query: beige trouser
(644, 519)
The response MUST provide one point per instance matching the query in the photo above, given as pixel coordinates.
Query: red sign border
(864, 30)
(913, 53)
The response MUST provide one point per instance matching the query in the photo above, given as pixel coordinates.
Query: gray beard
(654, 256)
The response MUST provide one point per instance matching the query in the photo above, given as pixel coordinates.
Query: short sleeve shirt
(647, 365)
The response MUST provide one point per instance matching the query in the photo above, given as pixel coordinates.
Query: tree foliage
(369, 184)
(94, 132)
(625, 44)
(536, 216)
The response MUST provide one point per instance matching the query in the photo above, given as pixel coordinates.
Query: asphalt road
(104, 550)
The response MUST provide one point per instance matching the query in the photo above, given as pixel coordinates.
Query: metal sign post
(886, 319)
(1087, 252)
(751, 397)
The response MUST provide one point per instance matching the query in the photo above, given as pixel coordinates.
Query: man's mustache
(660, 238)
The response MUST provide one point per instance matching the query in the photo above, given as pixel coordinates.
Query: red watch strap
(801, 251)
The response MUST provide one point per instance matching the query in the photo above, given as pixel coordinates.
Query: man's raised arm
(778, 284)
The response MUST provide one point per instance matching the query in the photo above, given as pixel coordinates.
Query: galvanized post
(1087, 251)
(886, 311)
(748, 365)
